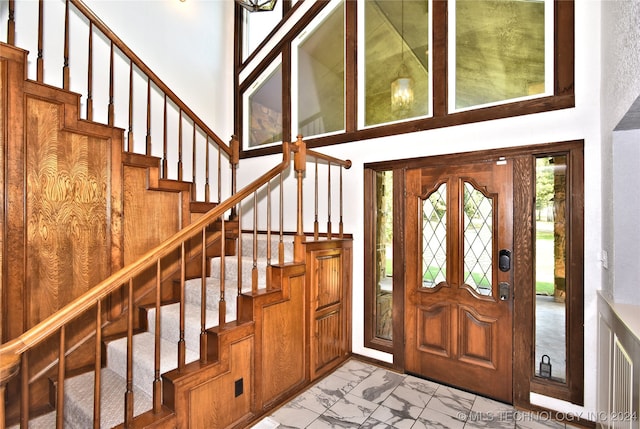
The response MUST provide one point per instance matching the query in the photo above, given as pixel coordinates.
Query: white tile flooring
(362, 395)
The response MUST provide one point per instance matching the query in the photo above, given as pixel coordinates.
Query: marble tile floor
(362, 395)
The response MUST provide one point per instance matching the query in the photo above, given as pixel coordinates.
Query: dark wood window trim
(562, 98)
(524, 379)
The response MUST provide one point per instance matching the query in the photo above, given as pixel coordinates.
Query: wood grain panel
(151, 216)
(477, 339)
(329, 342)
(214, 404)
(434, 326)
(329, 286)
(283, 353)
(67, 187)
(3, 142)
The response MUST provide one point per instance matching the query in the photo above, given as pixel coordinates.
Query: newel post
(299, 165)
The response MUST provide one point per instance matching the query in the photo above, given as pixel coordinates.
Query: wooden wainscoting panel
(283, 344)
(222, 401)
(66, 211)
(150, 216)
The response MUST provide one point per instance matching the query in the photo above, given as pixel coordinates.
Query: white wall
(180, 42)
(620, 88)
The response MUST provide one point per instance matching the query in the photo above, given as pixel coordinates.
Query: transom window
(352, 70)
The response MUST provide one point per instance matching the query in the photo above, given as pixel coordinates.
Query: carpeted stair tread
(170, 322)
(78, 400)
(144, 358)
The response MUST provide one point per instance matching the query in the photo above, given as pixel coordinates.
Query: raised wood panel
(283, 343)
(329, 332)
(329, 284)
(214, 403)
(478, 338)
(67, 211)
(151, 216)
(434, 325)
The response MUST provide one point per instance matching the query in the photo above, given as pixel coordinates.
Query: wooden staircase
(107, 243)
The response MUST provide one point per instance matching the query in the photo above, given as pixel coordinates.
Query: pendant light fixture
(257, 5)
(402, 86)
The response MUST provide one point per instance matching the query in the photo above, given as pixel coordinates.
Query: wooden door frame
(524, 379)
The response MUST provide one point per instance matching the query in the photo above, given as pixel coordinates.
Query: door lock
(504, 260)
(505, 291)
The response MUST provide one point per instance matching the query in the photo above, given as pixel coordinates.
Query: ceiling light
(257, 5)
(402, 86)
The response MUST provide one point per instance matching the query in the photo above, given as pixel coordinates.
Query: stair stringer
(252, 363)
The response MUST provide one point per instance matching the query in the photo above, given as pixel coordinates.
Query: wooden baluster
(164, 141)
(281, 242)
(90, 75)
(235, 160)
(24, 391)
(130, 132)
(97, 381)
(254, 268)
(180, 145)
(182, 351)
(329, 200)
(315, 221)
(148, 145)
(128, 395)
(220, 175)
(157, 378)
(239, 246)
(340, 225)
(65, 67)
(193, 165)
(11, 24)
(60, 381)
(111, 109)
(268, 269)
(203, 298)
(40, 60)
(207, 191)
(222, 304)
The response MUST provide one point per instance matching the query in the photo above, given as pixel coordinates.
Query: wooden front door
(458, 297)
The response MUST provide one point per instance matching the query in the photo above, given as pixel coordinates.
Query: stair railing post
(299, 165)
(11, 24)
(235, 160)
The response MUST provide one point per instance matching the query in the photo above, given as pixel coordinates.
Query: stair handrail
(11, 351)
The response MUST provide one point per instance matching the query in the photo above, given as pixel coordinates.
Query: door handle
(504, 290)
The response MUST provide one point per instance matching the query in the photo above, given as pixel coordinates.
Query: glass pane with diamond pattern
(434, 237)
(478, 239)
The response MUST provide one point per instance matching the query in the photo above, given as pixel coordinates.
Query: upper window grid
(558, 76)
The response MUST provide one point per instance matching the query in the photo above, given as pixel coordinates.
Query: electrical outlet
(239, 387)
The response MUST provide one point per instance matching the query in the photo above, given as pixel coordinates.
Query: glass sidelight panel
(434, 237)
(384, 255)
(478, 239)
(550, 267)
